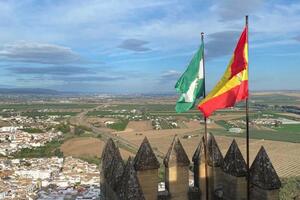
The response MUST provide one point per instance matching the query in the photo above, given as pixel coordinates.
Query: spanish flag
(233, 86)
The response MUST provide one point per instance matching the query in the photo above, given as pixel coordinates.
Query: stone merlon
(214, 155)
(234, 163)
(262, 172)
(112, 165)
(176, 155)
(199, 153)
(130, 188)
(145, 158)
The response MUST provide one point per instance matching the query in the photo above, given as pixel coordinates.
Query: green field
(174, 114)
(224, 124)
(289, 128)
(38, 106)
(33, 130)
(91, 159)
(40, 114)
(275, 99)
(262, 134)
(49, 150)
(145, 107)
(100, 113)
(120, 125)
(288, 133)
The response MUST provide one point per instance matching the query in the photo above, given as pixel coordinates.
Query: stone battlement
(226, 177)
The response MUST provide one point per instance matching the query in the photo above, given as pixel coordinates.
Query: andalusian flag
(191, 84)
(233, 87)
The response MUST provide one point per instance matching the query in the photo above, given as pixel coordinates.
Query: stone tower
(130, 188)
(111, 171)
(214, 168)
(177, 171)
(263, 177)
(146, 165)
(199, 168)
(235, 171)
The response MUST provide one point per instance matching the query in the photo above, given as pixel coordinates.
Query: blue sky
(136, 46)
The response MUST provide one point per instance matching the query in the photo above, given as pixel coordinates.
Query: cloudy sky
(136, 46)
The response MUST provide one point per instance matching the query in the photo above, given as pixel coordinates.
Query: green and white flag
(191, 83)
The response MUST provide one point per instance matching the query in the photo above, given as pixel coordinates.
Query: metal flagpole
(205, 125)
(247, 125)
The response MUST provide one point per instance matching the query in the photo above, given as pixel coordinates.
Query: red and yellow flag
(233, 86)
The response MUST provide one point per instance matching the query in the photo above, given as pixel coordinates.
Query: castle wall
(202, 180)
(107, 193)
(215, 181)
(261, 194)
(149, 182)
(177, 182)
(263, 178)
(234, 188)
(226, 179)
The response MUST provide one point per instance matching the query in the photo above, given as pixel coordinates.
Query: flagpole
(247, 125)
(205, 124)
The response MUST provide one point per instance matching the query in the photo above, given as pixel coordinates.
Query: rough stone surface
(194, 193)
(199, 153)
(163, 195)
(261, 194)
(145, 158)
(262, 172)
(214, 155)
(234, 163)
(112, 165)
(130, 188)
(176, 155)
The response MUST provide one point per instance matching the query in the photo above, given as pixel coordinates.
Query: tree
(64, 128)
(78, 131)
(58, 153)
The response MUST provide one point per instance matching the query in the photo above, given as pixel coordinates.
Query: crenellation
(176, 155)
(177, 171)
(214, 167)
(234, 163)
(146, 165)
(262, 172)
(200, 169)
(214, 154)
(234, 174)
(130, 188)
(138, 180)
(145, 158)
(263, 177)
(112, 169)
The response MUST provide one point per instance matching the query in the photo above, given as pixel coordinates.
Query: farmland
(87, 126)
(282, 141)
(40, 106)
(283, 155)
(86, 147)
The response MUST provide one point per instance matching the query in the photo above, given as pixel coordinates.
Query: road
(81, 119)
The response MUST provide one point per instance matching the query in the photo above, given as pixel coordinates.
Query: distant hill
(33, 91)
(42, 91)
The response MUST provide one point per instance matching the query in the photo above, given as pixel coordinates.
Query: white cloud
(170, 75)
(278, 20)
(38, 53)
(236, 9)
(95, 28)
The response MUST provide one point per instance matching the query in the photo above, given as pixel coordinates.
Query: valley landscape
(79, 127)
